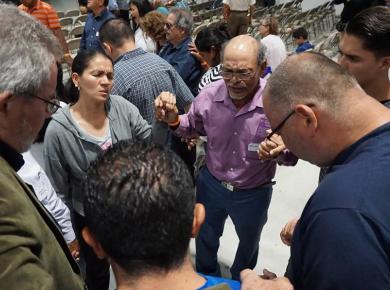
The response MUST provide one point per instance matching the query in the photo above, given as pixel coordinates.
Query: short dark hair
(79, 64)
(115, 32)
(300, 32)
(372, 26)
(105, 3)
(139, 205)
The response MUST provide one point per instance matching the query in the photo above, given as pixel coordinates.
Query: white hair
(27, 51)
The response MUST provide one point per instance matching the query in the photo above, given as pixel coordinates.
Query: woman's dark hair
(80, 63)
(208, 38)
(143, 7)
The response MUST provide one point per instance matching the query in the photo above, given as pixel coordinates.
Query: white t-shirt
(276, 50)
(144, 42)
(239, 5)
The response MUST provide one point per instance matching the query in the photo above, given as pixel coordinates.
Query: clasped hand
(166, 109)
(271, 148)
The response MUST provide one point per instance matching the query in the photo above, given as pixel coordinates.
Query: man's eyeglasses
(280, 126)
(169, 25)
(228, 74)
(52, 105)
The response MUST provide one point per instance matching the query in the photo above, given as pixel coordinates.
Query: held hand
(194, 51)
(74, 249)
(191, 142)
(250, 281)
(165, 106)
(270, 149)
(287, 232)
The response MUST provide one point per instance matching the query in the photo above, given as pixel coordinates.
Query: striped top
(212, 75)
(45, 13)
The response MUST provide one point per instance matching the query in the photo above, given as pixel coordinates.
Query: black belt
(239, 11)
(230, 187)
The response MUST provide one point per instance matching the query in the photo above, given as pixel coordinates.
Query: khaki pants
(238, 23)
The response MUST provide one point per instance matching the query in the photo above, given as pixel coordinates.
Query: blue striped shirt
(141, 76)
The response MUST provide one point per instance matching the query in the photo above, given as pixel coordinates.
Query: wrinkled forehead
(236, 60)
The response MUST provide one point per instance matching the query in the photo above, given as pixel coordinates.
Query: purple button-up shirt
(233, 136)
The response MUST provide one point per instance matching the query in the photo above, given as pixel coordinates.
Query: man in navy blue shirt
(98, 15)
(342, 240)
(178, 29)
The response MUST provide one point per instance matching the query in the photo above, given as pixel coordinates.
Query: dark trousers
(238, 23)
(248, 211)
(97, 271)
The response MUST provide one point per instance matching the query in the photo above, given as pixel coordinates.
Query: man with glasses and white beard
(234, 182)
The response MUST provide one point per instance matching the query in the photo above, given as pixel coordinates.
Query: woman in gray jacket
(81, 131)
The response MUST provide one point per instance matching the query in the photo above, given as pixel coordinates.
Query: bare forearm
(60, 36)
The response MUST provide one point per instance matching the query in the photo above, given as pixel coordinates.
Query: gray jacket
(68, 152)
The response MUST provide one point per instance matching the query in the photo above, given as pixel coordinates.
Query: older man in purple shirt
(234, 182)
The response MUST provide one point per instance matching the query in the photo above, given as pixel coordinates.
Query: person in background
(160, 6)
(47, 15)
(353, 7)
(113, 7)
(138, 8)
(365, 51)
(83, 6)
(276, 49)
(141, 213)
(33, 252)
(300, 36)
(82, 130)
(140, 76)
(238, 15)
(32, 174)
(178, 28)
(153, 24)
(208, 48)
(97, 15)
(123, 6)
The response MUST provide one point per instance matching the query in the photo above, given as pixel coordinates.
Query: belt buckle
(227, 185)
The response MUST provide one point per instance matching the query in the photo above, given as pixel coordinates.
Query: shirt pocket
(256, 138)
